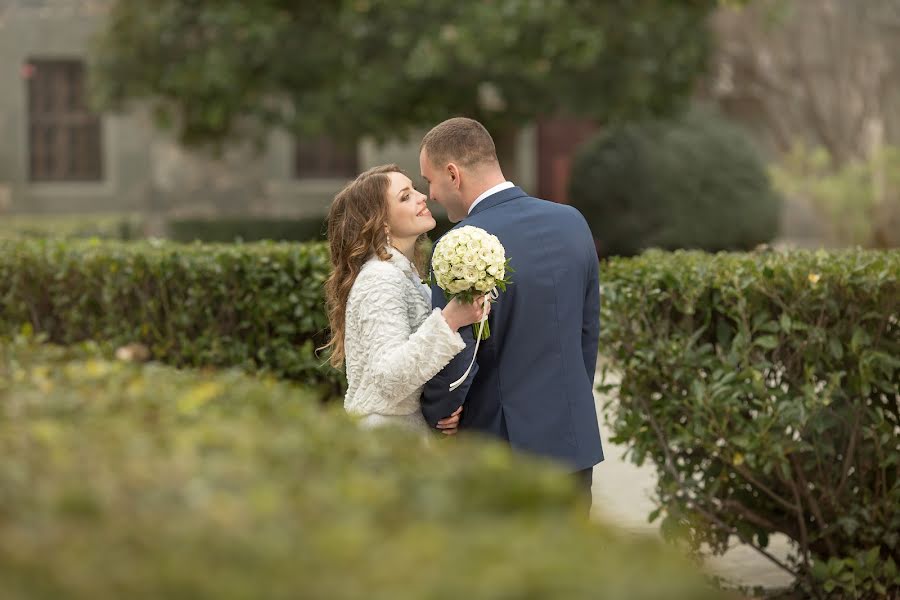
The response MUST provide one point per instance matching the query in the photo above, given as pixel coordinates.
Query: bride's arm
(401, 360)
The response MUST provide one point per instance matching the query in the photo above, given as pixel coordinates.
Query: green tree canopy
(215, 69)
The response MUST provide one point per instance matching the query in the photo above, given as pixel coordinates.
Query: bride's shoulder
(377, 269)
(377, 275)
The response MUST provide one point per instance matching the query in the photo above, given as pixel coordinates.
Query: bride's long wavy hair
(357, 230)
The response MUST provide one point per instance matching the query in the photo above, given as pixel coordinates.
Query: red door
(557, 140)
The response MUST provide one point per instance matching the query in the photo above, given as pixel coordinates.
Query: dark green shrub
(127, 482)
(247, 229)
(255, 306)
(766, 389)
(696, 182)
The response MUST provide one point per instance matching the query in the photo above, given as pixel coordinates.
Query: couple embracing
(402, 343)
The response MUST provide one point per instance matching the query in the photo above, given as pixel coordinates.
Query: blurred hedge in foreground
(766, 389)
(126, 482)
(254, 306)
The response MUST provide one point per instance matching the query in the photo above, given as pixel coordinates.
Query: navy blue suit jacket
(533, 378)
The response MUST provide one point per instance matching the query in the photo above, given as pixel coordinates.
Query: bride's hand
(450, 425)
(459, 314)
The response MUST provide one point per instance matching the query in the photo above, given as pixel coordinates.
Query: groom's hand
(450, 425)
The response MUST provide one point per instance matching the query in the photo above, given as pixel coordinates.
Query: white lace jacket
(394, 343)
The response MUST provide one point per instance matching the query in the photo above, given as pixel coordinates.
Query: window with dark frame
(323, 158)
(64, 135)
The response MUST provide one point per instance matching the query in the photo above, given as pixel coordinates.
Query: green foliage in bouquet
(766, 390)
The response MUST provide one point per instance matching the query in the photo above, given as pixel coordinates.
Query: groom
(532, 380)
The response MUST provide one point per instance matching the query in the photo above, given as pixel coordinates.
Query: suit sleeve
(438, 402)
(590, 326)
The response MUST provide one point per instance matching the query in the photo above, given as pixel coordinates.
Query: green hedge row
(103, 225)
(766, 389)
(255, 306)
(252, 229)
(247, 229)
(209, 230)
(120, 481)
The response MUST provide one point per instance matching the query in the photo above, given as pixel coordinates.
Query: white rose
(458, 286)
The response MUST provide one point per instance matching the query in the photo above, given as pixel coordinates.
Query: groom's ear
(453, 170)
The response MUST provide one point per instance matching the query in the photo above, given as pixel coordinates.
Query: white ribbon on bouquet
(488, 297)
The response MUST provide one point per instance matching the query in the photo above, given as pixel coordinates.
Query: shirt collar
(497, 188)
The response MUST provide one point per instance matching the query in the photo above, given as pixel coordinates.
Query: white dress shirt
(497, 188)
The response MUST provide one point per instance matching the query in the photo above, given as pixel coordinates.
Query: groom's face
(442, 187)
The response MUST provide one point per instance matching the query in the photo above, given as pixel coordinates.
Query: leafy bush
(249, 229)
(766, 389)
(860, 200)
(254, 306)
(103, 226)
(696, 182)
(127, 482)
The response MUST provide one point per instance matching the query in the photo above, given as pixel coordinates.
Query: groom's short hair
(459, 140)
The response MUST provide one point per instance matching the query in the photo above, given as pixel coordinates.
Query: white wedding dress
(394, 343)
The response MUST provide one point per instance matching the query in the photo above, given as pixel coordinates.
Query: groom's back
(535, 376)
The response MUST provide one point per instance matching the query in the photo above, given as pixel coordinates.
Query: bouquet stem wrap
(481, 330)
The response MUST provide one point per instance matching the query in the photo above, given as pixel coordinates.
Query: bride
(382, 324)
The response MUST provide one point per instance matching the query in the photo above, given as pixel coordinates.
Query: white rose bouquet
(469, 262)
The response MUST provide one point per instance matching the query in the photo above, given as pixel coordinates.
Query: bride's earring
(388, 233)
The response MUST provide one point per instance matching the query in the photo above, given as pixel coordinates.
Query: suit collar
(498, 198)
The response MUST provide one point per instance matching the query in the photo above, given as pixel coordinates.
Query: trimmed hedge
(766, 389)
(693, 182)
(247, 229)
(74, 226)
(120, 481)
(255, 306)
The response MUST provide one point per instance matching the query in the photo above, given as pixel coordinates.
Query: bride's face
(408, 215)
